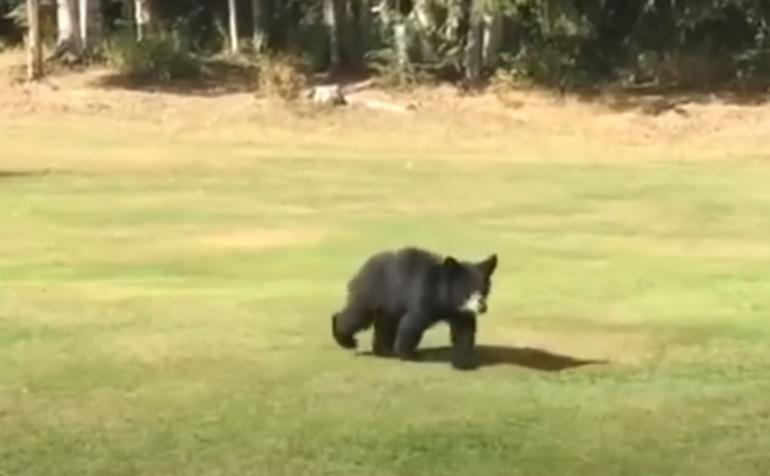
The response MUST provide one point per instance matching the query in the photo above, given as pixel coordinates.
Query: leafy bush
(161, 56)
(754, 68)
(391, 73)
(17, 14)
(412, 53)
(14, 23)
(284, 76)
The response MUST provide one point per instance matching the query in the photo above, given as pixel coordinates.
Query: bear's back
(389, 280)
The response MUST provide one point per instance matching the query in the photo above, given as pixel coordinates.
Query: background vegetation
(560, 43)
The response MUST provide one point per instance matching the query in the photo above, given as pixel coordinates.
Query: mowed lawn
(165, 305)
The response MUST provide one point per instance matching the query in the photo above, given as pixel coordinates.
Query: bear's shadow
(495, 355)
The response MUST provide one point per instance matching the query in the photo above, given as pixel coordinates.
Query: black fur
(403, 293)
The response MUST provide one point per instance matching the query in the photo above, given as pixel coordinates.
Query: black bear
(405, 292)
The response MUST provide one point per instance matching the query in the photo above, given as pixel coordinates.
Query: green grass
(174, 319)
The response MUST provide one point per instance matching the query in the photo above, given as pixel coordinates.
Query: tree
(90, 23)
(474, 38)
(233, 14)
(493, 36)
(259, 25)
(34, 47)
(143, 17)
(67, 30)
(364, 27)
(331, 14)
(547, 41)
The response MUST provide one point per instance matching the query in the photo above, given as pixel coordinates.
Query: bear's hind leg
(384, 335)
(408, 336)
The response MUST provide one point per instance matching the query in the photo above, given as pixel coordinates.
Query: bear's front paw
(343, 340)
(346, 342)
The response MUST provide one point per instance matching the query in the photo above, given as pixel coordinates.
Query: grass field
(165, 303)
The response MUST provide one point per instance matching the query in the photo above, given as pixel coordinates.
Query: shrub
(282, 75)
(161, 56)
(754, 68)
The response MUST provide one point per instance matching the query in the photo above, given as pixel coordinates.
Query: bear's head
(469, 284)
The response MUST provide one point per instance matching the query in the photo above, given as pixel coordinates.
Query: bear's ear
(488, 266)
(450, 263)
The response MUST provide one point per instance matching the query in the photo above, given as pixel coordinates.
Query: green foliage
(390, 73)
(160, 56)
(681, 43)
(312, 39)
(753, 67)
(428, 45)
(13, 22)
(561, 43)
(16, 13)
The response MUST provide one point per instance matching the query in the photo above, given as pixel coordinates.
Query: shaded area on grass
(657, 101)
(216, 78)
(527, 357)
(494, 355)
(19, 174)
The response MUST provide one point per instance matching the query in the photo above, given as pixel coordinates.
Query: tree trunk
(401, 40)
(546, 16)
(427, 23)
(66, 21)
(127, 11)
(359, 33)
(233, 14)
(90, 23)
(365, 15)
(331, 12)
(68, 31)
(85, 13)
(473, 48)
(365, 23)
(493, 37)
(142, 17)
(34, 48)
(259, 35)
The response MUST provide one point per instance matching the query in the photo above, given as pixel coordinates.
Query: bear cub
(402, 293)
